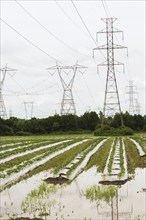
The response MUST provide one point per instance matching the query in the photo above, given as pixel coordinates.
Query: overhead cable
(84, 23)
(30, 42)
(48, 31)
(70, 18)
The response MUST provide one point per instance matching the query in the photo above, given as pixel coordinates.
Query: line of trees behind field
(88, 122)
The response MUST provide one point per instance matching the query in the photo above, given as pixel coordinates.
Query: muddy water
(71, 202)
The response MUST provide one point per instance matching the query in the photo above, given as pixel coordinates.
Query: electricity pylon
(67, 76)
(131, 91)
(111, 100)
(137, 107)
(30, 106)
(3, 72)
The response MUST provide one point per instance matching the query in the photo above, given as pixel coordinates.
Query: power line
(105, 8)
(87, 28)
(49, 32)
(84, 23)
(89, 91)
(70, 18)
(30, 42)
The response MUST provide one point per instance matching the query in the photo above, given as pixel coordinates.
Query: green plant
(122, 171)
(133, 158)
(100, 157)
(110, 163)
(100, 193)
(37, 201)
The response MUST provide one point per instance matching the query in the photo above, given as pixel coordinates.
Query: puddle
(71, 202)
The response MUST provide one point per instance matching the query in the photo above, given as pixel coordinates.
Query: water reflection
(38, 202)
(69, 201)
(107, 195)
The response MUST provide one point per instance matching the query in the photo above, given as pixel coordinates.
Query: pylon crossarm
(110, 19)
(67, 104)
(80, 66)
(52, 73)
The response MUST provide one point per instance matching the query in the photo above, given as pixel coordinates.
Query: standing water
(71, 201)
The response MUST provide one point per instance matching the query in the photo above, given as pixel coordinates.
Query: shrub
(110, 131)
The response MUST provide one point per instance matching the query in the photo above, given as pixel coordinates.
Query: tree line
(88, 122)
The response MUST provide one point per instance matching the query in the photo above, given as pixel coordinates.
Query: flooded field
(105, 180)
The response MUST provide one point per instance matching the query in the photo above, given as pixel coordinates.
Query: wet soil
(22, 218)
(56, 180)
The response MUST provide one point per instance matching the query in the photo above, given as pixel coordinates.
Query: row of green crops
(100, 157)
(26, 148)
(110, 163)
(122, 171)
(15, 145)
(141, 141)
(133, 158)
(22, 161)
(60, 161)
(8, 147)
(90, 148)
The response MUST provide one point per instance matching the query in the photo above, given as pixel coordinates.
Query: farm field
(73, 177)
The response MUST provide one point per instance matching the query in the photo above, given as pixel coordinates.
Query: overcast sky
(62, 36)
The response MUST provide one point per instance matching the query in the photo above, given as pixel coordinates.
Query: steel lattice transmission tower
(30, 106)
(67, 76)
(3, 72)
(131, 91)
(111, 100)
(137, 107)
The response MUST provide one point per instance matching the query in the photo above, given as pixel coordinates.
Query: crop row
(17, 145)
(133, 158)
(112, 156)
(84, 154)
(60, 161)
(30, 158)
(100, 157)
(122, 171)
(141, 142)
(26, 148)
(12, 146)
